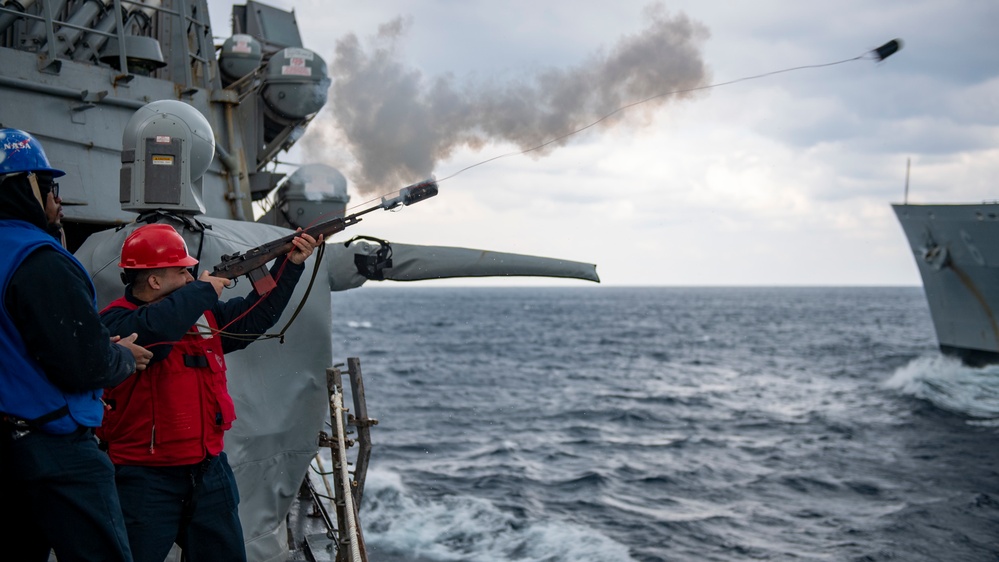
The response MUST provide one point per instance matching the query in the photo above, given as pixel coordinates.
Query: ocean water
(599, 423)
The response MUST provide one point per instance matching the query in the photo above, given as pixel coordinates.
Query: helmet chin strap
(33, 180)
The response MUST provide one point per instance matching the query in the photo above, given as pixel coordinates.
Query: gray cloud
(397, 124)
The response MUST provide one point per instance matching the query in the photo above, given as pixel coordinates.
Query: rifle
(252, 262)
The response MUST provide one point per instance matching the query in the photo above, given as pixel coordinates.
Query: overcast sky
(780, 180)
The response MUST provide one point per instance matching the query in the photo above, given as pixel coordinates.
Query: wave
(403, 525)
(950, 385)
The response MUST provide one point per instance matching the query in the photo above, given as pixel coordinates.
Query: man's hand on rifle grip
(304, 245)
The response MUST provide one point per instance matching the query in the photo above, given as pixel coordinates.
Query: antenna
(908, 162)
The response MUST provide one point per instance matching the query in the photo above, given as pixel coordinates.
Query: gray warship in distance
(78, 73)
(958, 260)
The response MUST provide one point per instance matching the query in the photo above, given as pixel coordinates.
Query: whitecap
(462, 527)
(950, 385)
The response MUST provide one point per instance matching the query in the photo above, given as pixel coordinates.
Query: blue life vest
(25, 391)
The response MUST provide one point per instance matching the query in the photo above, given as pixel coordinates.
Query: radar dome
(177, 119)
(167, 147)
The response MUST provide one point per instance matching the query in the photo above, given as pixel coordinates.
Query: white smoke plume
(396, 124)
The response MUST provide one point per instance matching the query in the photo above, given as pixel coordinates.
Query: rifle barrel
(234, 265)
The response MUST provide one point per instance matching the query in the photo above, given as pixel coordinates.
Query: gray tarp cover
(280, 389)
(415, 263)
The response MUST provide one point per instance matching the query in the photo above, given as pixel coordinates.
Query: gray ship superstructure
(958, 259)
(72, 72)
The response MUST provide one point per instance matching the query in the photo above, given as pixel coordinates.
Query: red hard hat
(153, 246)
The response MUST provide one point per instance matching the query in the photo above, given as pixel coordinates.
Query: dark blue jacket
(55, 356)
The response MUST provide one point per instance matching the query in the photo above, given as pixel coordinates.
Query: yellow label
(161, 160)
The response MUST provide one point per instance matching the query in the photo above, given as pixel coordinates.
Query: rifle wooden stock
(253, 262)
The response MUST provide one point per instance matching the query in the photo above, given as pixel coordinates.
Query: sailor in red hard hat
(164, 426)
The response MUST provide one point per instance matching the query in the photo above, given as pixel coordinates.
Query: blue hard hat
(21, 152)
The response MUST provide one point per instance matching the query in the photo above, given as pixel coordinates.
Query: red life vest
(174, 412)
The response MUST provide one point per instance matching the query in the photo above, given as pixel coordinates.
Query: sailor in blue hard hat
(55, 359)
